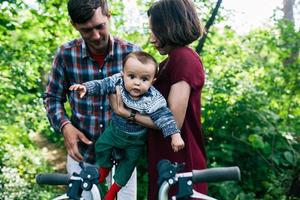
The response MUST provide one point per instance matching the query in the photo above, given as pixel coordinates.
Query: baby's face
(138, 77)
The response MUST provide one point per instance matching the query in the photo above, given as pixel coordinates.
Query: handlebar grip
(52, 179)
(217, 174)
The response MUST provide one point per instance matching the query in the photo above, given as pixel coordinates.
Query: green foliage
(25, 54)
(245, 114)
(20, 162)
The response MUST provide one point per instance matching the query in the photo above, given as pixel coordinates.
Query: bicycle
(169, 175)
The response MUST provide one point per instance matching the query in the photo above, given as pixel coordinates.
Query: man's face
(95, 32)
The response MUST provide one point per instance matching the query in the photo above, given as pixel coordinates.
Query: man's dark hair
(143, 57)
(174, 22)
(81, 11)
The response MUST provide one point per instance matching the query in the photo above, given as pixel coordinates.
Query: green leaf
(256, 141)
(289, 157)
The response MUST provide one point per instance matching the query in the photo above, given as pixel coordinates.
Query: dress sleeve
(185, 65)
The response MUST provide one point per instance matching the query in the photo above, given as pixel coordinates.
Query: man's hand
(71, 137)
(177, 142)
(81, 89)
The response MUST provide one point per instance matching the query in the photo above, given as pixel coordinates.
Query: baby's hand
(177, 142)
(81, 89)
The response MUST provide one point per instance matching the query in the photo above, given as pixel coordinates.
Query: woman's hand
(177, 142)
(117, 105)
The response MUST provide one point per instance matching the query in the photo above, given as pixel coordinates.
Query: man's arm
(55, 96)
(54, 99)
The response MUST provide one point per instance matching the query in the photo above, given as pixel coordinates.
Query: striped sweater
(151, 103)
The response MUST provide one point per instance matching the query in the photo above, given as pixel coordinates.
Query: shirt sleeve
(164, 120)
(186, 65)
(103, 86)
(55, 94)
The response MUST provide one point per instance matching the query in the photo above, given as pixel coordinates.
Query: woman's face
(156, 43)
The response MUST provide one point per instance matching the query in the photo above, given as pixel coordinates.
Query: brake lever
(199, 195)
(64, 196)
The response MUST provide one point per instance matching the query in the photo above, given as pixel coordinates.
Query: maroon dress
(183, 64)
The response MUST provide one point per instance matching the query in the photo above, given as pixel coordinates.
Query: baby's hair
(143, 57)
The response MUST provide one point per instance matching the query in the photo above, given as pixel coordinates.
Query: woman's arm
(145, 120)
(118, 107)
(178, 101)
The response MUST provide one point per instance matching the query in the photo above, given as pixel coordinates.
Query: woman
(174, 25)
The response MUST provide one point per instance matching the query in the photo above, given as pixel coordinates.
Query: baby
(138, 94)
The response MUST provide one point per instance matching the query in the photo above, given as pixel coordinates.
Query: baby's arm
(177, 142)
(97, 87)
(164, 120)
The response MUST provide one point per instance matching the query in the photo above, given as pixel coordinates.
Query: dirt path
(54, 154)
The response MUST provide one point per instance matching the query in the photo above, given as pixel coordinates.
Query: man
(95, 55)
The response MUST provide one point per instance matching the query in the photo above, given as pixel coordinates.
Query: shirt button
(100, 70)
(101, 107)
(101, 125)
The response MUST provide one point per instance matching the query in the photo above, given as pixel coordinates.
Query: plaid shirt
(73, 64)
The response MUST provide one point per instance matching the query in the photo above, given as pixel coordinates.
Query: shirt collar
(111, 44)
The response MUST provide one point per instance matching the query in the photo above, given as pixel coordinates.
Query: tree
(288, 11)
(289, 61)
(209, 23)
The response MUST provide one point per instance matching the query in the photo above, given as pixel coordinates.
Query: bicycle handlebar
(169, 174)
(76, 184)
(217, 174)
(52, 179)
(206, 175)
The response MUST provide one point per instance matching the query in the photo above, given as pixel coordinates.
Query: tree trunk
(209, 23)
(288, 15)
(288, 6)
(288, 10)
